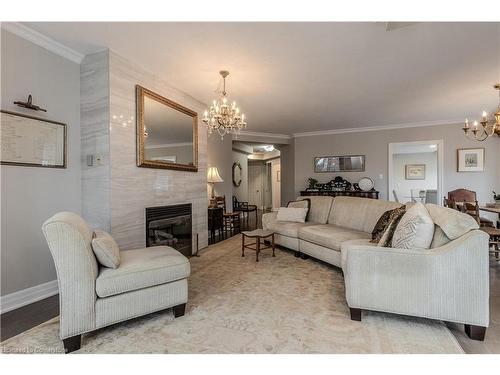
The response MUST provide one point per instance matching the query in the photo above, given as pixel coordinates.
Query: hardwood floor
(24, 318)
(16, 321)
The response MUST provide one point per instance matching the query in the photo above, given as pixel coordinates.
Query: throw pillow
(106, 249)
(386, 239)
(415, 229)
(383, 224)
(292, 214)
(302, 203)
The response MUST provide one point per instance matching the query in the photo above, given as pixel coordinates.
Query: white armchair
(92, 297)
(449, 283)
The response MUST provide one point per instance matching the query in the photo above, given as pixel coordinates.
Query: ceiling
(299, 77)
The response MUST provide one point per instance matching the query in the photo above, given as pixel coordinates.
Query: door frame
(440, 166)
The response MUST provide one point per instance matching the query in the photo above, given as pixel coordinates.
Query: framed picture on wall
(415, 171)
(470, 160)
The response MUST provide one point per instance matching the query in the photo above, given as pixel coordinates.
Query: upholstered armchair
(92, 296)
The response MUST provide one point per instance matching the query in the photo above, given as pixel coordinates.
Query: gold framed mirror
(167, 133)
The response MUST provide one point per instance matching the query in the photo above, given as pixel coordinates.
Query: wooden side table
(258, 234)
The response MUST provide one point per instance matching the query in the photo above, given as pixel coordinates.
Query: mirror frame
(237, 165)
(141, 93)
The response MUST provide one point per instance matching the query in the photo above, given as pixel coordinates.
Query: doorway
(415, 171)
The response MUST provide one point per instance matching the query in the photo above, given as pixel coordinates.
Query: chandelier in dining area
(490, 125)
(224, 117)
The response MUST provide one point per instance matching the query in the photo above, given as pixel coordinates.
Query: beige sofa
(449, 282)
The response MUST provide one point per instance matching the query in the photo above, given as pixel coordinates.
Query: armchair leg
(304, 256)
(72, 343)
(355, 314)
(297, 254)
(475, 332)
(179, 310)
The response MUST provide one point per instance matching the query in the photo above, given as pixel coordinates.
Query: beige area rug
(279, 305)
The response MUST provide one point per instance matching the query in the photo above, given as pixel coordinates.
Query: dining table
(495, 210)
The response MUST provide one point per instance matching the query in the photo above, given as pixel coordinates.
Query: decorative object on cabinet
(470, 160)
(415, 171)
(167, 132)
(213, 177)
(312, 183)
(32, 141)
(350, 163)
(28, 104)
(366, 184)
(237, 171)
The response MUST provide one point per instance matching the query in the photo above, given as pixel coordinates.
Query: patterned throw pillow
(301, 203)
(386, 239)
(384, 223)
(415, 229)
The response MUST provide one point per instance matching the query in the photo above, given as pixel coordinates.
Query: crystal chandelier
(222, 117)
(489, 124)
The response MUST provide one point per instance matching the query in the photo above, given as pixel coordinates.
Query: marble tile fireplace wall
(115, 192)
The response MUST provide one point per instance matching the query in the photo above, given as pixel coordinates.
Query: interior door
(255, 185)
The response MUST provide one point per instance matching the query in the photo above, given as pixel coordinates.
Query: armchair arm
(449, 283)
(268, 218)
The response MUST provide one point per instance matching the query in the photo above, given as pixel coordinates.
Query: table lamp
(213, 177)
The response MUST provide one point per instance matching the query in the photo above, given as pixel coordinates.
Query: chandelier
(222, 117)
(489, 124)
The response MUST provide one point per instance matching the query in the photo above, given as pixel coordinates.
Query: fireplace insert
(170, 226)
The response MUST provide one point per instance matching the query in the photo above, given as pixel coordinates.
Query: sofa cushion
(358, 213)
(142, 268)
(320, 208)
(292, 214)
(287, 228)
(453, 223)
(415, 229)
(330, 236)
(105, 249)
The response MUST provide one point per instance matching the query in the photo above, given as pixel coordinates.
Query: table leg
(258, 249)
(242, 245)
(272, 243)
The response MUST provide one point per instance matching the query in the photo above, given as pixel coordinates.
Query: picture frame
(29, 141)
(415, 171)
(347, 163)
(470, 160)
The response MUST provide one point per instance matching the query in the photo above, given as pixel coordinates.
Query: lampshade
(213, 175)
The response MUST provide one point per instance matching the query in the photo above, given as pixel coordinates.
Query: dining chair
(464, 195)
(395, 195)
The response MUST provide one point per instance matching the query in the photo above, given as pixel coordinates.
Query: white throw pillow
(415, 229)
(106, 249)
(293, 214)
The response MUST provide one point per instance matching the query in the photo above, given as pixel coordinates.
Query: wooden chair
(245, 208)
(450, 203)
(215, 224)
(494, 233)
(231, 220)
(465, 195)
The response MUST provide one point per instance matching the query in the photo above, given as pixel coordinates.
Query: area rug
(278, 305)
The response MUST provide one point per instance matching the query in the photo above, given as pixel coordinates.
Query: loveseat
(449, 281)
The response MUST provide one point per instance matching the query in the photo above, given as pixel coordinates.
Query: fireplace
(170, 226)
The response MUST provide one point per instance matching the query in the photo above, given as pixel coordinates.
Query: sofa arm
(449, 283)
(268, 218)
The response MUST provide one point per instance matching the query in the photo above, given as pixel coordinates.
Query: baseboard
(26, 296)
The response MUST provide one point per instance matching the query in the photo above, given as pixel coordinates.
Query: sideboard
(350, 193)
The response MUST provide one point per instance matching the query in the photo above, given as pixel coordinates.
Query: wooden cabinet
(350, 193)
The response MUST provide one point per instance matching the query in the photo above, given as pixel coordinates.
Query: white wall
(374, 144)
(402, 185)
(220, 155)
(30, 195)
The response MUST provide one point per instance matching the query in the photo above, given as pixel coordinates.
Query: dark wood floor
(16, 321)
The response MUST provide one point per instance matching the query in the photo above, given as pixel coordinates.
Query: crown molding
(268, 135)
(376, 128)
(42, 41)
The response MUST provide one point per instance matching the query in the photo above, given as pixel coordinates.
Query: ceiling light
(222, 117)
(489, 125)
